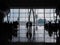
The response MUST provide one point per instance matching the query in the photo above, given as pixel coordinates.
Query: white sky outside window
(39, 11)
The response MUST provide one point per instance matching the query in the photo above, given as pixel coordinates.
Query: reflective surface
(40, 34)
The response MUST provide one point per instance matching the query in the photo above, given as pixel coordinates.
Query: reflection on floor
(31, 43)
(39, 37)
(24, 39)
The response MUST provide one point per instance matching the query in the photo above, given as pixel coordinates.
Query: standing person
(29, 29)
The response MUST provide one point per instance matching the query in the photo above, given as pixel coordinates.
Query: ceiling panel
(32, 3)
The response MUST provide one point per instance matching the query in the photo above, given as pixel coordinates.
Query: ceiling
(31, 3)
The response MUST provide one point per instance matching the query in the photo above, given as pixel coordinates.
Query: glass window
(39, 11)
(23, 10)
(22, 19)
(16, 10)
(11, 19)
(40, 15)
(5, 19)
(39, 21)
(22, 15)
(11, 10)
(14, 15)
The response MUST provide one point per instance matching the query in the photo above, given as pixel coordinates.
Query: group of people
(7, 30)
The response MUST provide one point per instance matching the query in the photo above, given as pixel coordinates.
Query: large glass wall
(41, 35)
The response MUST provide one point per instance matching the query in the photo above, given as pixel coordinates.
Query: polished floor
(39, 37)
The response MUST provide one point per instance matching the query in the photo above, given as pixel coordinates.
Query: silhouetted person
(2, 31)
(29, 29)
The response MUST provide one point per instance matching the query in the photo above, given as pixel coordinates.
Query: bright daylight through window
(41, 35)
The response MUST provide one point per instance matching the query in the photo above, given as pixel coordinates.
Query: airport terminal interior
(33, 22)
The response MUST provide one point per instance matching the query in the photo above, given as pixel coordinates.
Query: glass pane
(11, 19)
(22, 19)
(5, 19)
(39, 11)
(22, 15)
(22, 35)
(16, 10)
(11, 10)
(23, 31)
(22, 27)
(47, 10)
(39, 33)
(40, 15)
(15, 19)
(23, 10)
(48, 15)
(14, 15)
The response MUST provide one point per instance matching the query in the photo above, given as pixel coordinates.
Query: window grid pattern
(49, 16)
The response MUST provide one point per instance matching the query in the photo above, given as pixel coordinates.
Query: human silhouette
(29, 29)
